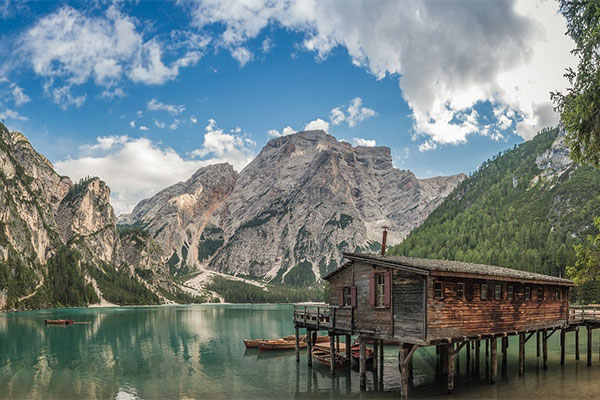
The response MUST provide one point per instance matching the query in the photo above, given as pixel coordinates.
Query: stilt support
(332, 353)
(545, 348)
(297, 347)
(348, 348)
(562, 347)
(589, 345)
(521, 354)
(577, 343)
(450, 352)
(309, 347)
(380, 358)
(468, 359)
(477, 357)
(504, 356)
(494, 361)
(363, 362)
(402, 355)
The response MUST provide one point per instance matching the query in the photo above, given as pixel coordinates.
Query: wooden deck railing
(590, 313)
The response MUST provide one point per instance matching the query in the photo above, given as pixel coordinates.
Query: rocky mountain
(59, 243)
(524, 209)
(287, 217)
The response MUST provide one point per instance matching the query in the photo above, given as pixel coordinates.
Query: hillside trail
(39, 285)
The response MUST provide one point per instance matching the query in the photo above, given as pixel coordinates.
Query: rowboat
(279, 344)
(58, 321)
(355, 352)
(251, 343)
(323, 357)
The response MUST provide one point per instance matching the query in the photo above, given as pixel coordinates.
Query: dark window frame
(527, 292)
(460, 290)
(497, 296)
(481, 294)
(557, 295)
(439, 289)
(380, 289)
(510, 292)
(347, 296)
(540, 293)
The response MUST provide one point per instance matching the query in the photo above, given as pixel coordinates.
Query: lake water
(197, 352)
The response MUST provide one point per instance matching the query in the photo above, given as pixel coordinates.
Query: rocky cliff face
(291, 212)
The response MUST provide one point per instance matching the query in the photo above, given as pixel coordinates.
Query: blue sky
(143, 93)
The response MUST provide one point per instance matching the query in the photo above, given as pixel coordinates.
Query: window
(380, 293)
(438, 290)
(347, 296)
(484, 291)
(498, 292)
(527, 293)
(509, 292)
(460, 290)
(540, 294)
(557, 294)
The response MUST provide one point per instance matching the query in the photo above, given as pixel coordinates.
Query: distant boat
(285, 343)
(58, 321)
(323, 357)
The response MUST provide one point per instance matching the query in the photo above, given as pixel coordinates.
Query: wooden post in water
(297, 348)
(577, 343)
(494, 360)
(337, 343)
(473, 358)
(363, 362)
(545, 348)
(332, 353)
(477, 357)
(521, 354)
(375, 355)
(537, 340)
(403, 372)
(589, 345)
(504, 356)
(562, 346)
(468, 359)
(450, 353)
(487, 359)
(348, 348)
(309, 347)
(381, 359)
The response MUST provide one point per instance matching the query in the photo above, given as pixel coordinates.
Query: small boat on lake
(355, 352)
(285, 343)
(58, 321)
(323, 357)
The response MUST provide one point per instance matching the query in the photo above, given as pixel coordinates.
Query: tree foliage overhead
(587, 266)
(580, 105)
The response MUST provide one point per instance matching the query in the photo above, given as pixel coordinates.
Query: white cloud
(355, 113)
(156, 167)
(193, 120)
(337, 116)
(132, 124)
(288, 130)
(70, 48)
(174, 125)
(428, 145)
(111, 94)
(159, 124)
(63, 97)
(144, 128)
(266, 45)
(364, 142)
(19, 95)
(449, 57)
(11, 114)
(242, 55)
(317, 124)
(139, 113)
(155, 105)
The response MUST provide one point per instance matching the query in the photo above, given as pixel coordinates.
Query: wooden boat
(323, 357)
(251, 343)
(355, 352)
(58, 321)
(279, 344)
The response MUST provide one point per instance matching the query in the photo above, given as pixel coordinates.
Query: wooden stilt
(297, 347)
(363, 362)
(577, 343)
(487, 359)
(444, 356)
(309, 342)
(410, 370)
(504, 356)
(477, 357)
(545, 348)
(381, 358)
(375, 355)
(468, 359)
(337, 343)
(450, 353)
(332, 353)
(403, 372)
(494, 361)
(521, 354)
(457, 358)
(473, 358)
(537, 339)
(589, 345)
(348, 348)
(438, 362)
(562, 347)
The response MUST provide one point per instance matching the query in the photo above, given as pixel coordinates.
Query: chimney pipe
(384, 240)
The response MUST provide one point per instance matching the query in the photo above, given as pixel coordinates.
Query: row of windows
(491, 291)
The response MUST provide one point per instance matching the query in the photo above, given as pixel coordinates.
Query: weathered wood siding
(409, 310)
(367, 318)
(337, 282)
(454, 317)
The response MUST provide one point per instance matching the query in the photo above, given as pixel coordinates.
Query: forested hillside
(523, 209)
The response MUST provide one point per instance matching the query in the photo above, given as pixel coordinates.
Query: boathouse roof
(425, 266)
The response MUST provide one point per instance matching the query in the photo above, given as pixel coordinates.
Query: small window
(460, 290)
(438, 290)
(498, 292)
(484, 291)
(509, 292)
(540, 294)
(347, 296)
(557, 294)
(527, 293)
(380, 299)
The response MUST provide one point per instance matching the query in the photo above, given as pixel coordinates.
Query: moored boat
(58, 321)
(355, 352)
(323, 357)
(251, 343)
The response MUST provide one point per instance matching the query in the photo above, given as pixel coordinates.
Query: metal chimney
(384, 240)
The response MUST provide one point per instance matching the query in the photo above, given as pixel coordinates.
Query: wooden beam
(504, 356)
(468, 359)
(537, 339)
(459, 347)
(589, 345)
(494, 361)
(381, 359)
(562, 347)
(410, 354)
(577, 343)
(297, 346)
(529, 337)
(348, 348)
(363, 362)
(522, 342)
(487, 359)
(477, 357)
(450, 352)
(545, 348)
(309, 347)
(332, 353)
(402, 356)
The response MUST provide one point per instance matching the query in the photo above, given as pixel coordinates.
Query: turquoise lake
(196, 352)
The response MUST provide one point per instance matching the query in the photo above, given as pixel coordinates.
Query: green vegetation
(78, 188)
(300, 275)
(241, 292)
(587, 265)
(120, 288)
(342, 223)
(207, 247)
(65, 286)
(506, 214)
(580, 105)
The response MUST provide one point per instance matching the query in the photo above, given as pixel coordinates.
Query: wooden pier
(456, 307)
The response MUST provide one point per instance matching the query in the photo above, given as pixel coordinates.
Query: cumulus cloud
(12, 114)
(266, 45)
(132, 124)
(19, 95)
(70, 47)
(144, 128)
(112, 94)
(355, 113)
(449, 57)
(427, 145)
(364, 142)
(155, 105)
(242, 55)
(288, 130)
(317, 124)
(150, 166)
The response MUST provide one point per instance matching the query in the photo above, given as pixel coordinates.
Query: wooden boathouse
(448, 304)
